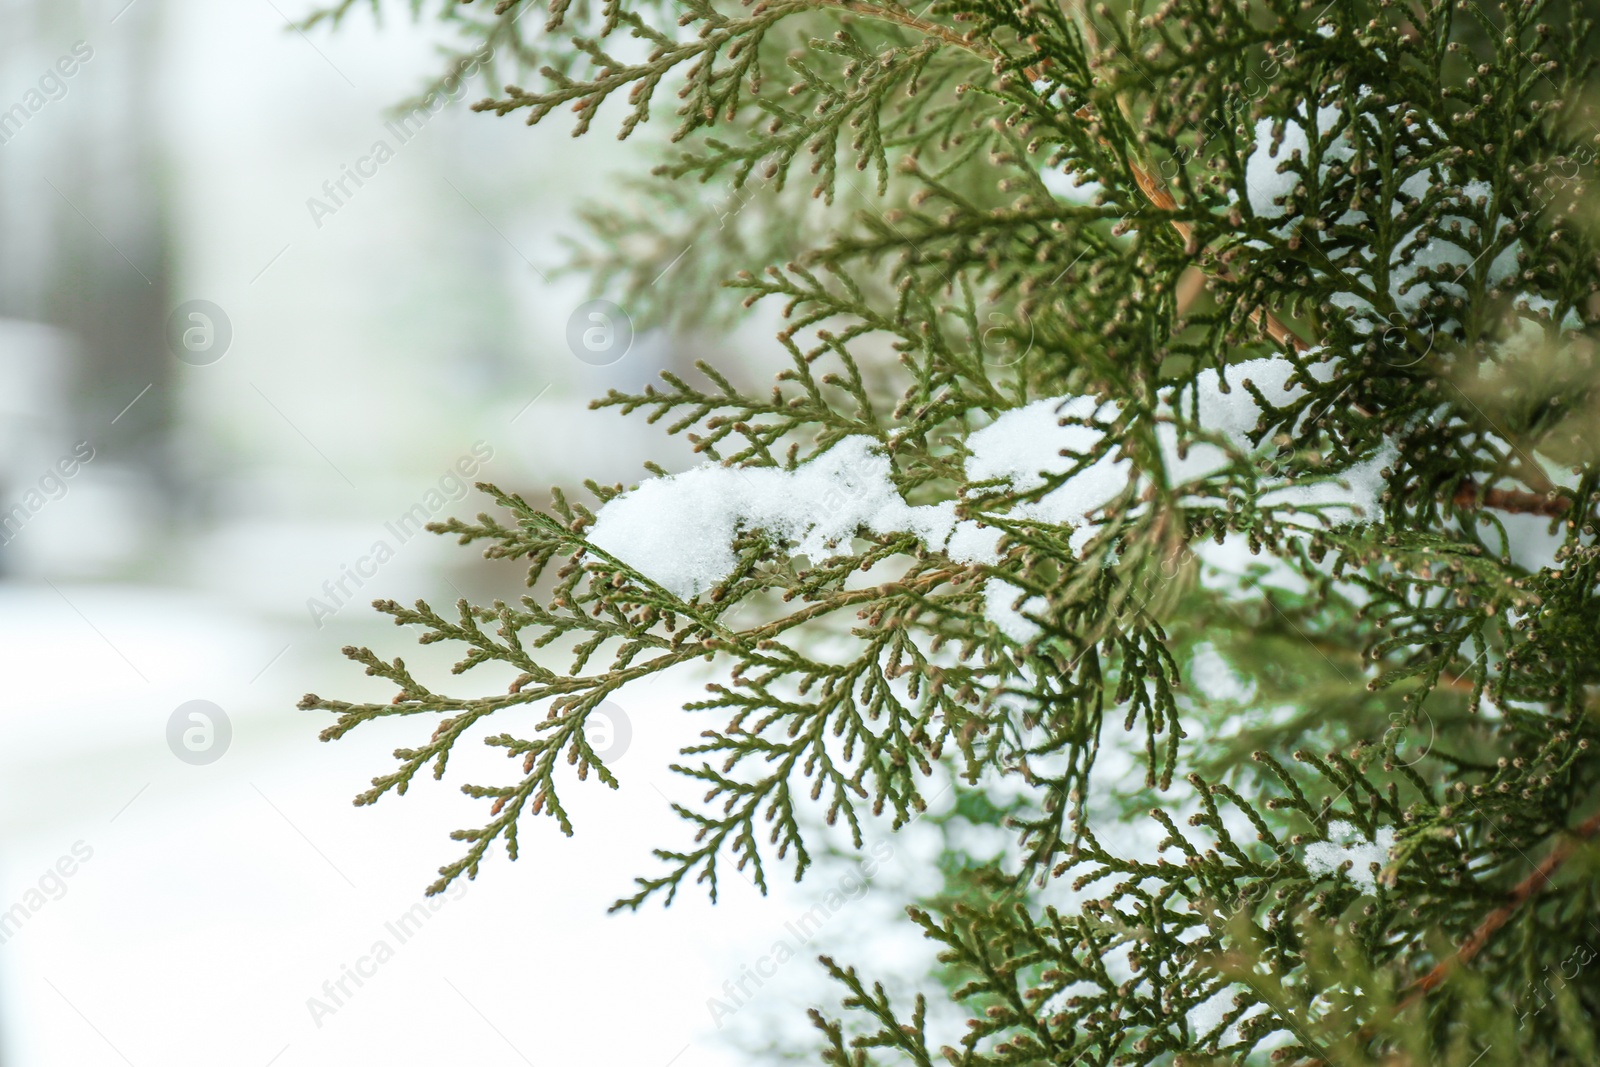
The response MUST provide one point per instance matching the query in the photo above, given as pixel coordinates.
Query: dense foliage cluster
(1129, 346)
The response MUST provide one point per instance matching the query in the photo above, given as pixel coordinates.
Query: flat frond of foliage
(963, 209)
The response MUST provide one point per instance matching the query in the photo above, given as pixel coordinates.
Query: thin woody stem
(1476, 941)
(1520, 894)
(1469, 494)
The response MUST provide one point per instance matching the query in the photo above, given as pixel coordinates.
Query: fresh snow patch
(1236, 412)
(1233, 413)
(1262, 179)
(679, 530)
(999, 607)
(971, 543)
(1026, 446)
(1346, 842)
(1360, 493)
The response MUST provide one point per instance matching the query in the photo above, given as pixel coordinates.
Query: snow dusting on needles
(1445, 246)
(1346, 842)
(679, 530)
(1235, 413)
(1232, 414)
(1025, 446)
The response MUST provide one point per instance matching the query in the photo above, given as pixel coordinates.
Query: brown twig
(1156, 192)
(1191, 283)
(1524, 891)
(1469, 494)
(1475, 942)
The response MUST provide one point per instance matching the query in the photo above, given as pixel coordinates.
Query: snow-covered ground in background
(216, 900)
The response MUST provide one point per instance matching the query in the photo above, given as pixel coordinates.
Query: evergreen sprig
(1369, 749)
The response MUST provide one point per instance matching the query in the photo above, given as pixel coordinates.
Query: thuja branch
(1537, 882)
(710, 92)
(1376, 191)
(1143, 175)
(574, 697)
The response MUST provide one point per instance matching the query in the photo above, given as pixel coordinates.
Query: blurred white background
(207, 904)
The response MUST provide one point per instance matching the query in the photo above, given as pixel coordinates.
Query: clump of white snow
(1346, 842)
(1233, 413)
(1026, 446)
(1358, 489)
(999, 607)
(1264, 182)
(972, 543)
(679, 530)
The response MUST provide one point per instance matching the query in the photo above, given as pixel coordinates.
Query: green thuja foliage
(1332, 805)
